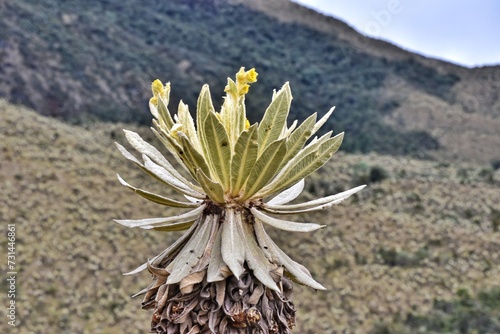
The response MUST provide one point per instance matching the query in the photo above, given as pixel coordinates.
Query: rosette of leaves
(225, 274)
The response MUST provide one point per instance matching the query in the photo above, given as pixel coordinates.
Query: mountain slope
(419, 226)
(73, 59)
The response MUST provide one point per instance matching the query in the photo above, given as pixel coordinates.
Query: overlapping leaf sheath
(209, 298)
(225, 274)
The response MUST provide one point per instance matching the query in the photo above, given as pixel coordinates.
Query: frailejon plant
(225, 274)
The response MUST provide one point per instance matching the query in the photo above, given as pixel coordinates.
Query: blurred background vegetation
(416, 252)
(76, 59)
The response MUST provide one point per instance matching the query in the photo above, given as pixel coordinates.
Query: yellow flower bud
(241, 76)
(157, 87)
(173, 131)
(247, 124)
(244, 89)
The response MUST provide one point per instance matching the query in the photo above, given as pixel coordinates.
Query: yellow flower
(243, 79)
(251, 75)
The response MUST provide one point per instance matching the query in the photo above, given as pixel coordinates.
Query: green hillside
(418, 248)
(80, 59)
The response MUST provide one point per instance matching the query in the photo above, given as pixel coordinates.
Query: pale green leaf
(163, 175)
(211, 188)
(203, 109)
(288, 131)
(178, 150)
(192, 156)
(322, 121)
(291, 161)
(128, 155)
(245, 155)
(204, 105)
(233, 248)
(158, 198)
(191, 253)
(214, 220)
(162, 135)
(311, 162)
(193, 200)
(188, 125)
(170, 227)
(156, 261)
(143, 291)
(311, 147)
(288, 195)
(295, 142)
(161, 223)
(216, 265)
(137, 270)
(274, 119)
(241, 118)
(163, 110)
(298, 272)
(265, 167)
(256, 259)
(313, 157)
(149, 223)
(174, 248)
(219, 149)
(317, 204)
(173, 147)
(154, 110)
(139, 164)
(284, 224)
(145, 148)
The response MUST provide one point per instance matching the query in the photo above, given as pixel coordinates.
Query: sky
(463, 32)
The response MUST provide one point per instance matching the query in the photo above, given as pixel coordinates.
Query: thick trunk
(210, 299)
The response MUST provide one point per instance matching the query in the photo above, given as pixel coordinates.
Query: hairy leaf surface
(284, 224)
(211, 188)
(288, 195)
(298, 272)
(265, 167)
(233, 247)
(274, 119)
(158, 198)
(219, 149)
(317, 204)
(245, 155)
(191, 253)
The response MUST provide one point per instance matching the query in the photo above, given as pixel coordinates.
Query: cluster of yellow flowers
(243, 79)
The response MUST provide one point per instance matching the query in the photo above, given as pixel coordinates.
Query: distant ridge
(80, 62)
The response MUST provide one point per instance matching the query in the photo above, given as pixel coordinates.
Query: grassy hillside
(76, 59)
(418, 247)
